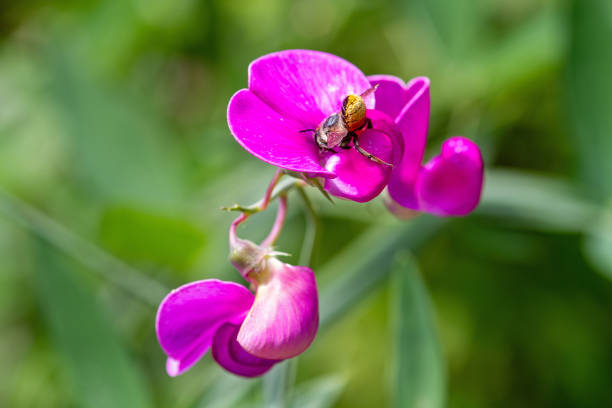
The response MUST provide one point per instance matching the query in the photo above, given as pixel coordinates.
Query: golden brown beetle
(340, 128)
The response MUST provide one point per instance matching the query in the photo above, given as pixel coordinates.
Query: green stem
(279, 189)
(310, 233)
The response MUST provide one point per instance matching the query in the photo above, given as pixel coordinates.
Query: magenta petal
(306, 86)
(271, 137)
(412, 121)
(189, 316)
(230, 355)
(284, 319)
(359, 178)
(391, 94)
(383, 123)
(451, 183)
(176, 367)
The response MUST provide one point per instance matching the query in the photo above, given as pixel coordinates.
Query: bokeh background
(115, 159)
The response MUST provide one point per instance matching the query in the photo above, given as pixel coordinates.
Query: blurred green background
(115, 158)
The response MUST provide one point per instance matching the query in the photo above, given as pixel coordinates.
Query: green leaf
(367, 262)
(110, 268)
(150, 237)
(103, 374)
(420, 380)
(536, 201)
(226, 391)
(322, 392)
(598, 244)
(590, 92)
(278, 382)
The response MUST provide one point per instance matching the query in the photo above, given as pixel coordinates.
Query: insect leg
(307, 130)
(346, 141)
(368, 155)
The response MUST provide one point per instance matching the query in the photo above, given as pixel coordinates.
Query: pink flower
(247, 333)
(203, 315)
(294, 90)
(450, 183)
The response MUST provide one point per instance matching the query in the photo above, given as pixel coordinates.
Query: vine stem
(272, 192)
(275, 179)
(310, 232)
(260, 206)
(278, 223)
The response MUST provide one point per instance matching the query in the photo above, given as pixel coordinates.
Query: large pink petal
(383, 123)
(412, 121)
(189, 316)
(176, 367)
(451, 183)
(230, 355)
(306, 86)
(271, 137)
(284, 319)
(391, 95)
(359, 178)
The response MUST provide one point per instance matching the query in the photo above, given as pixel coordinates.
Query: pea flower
(448, 184)
(295, 90)
(247, 333)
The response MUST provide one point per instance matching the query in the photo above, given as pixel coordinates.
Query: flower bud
(246, 256)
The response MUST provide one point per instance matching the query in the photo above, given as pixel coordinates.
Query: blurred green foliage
(145, 237)
(115, 158)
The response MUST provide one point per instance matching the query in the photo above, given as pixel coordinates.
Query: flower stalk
(278, 223)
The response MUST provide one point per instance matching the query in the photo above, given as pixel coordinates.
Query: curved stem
(275, 179)
(310, 233)
(278, 223)
(260, 206)
(233, 238)
(277, 190)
